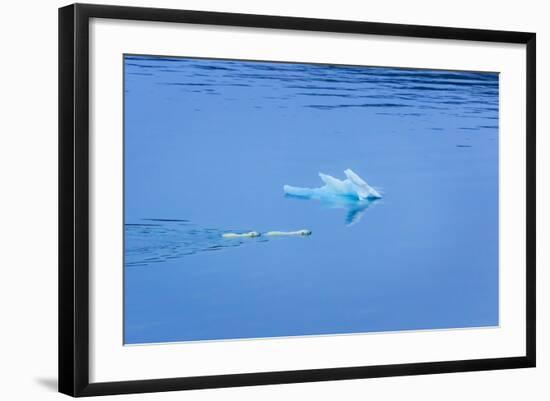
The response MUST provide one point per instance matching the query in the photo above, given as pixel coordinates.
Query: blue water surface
(209, 145)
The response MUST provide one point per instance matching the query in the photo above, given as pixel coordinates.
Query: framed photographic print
(249, 199)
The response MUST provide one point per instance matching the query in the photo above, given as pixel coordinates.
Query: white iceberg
(353, 187)
(353, 194)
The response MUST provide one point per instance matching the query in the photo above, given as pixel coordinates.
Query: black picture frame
(74, 194)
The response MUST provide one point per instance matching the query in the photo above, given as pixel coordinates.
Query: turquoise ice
(352, 193)
(353, 187)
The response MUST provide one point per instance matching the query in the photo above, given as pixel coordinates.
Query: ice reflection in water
(355, 207)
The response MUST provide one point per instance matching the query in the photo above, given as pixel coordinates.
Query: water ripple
(148, 243)
(472, 95)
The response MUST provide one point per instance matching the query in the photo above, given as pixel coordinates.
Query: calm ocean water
(209, 145)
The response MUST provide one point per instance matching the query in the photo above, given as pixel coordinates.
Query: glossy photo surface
(272, 199)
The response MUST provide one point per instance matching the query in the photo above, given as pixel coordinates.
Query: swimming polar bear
(253, 234)
(250, 234)
(287, 233)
